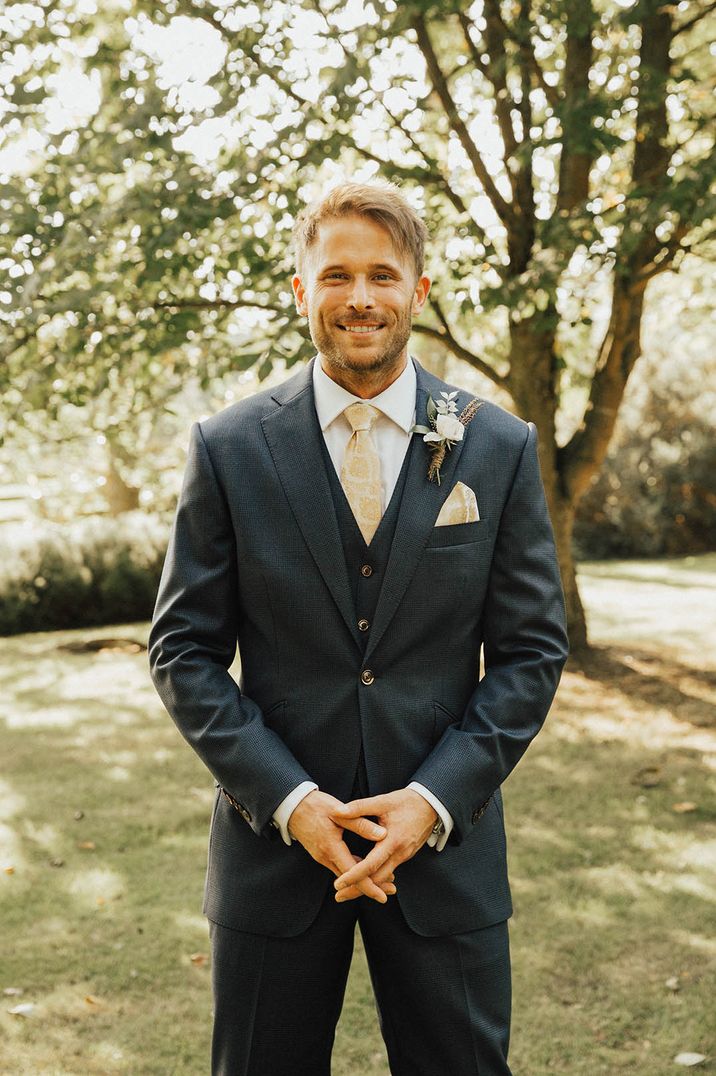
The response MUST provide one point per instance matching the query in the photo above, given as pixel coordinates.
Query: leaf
(431, 409)
(9, 870)
(86, 846)
(673, 983)
(688, 1060)
(421, 429)
(199, 960)
(684, 807)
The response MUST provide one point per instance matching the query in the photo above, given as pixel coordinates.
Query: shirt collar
(397, 402)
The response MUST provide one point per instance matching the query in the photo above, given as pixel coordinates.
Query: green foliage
(98, 571)
(656, 493)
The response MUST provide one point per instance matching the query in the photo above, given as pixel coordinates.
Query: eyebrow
(376, 265)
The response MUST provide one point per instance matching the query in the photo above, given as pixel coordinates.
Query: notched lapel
(419, 507)
(292, 433)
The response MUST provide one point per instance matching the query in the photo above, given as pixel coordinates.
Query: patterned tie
(360, 473)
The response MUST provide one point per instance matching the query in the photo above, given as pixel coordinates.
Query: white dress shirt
(391, 436)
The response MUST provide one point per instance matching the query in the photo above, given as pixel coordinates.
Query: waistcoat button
(366, 570)
(363, 624)
(367, 676)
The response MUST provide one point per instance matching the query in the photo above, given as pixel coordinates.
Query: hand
(318, 823)
(350, 892)
(408, 818)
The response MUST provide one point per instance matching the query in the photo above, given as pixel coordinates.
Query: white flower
(450, 427)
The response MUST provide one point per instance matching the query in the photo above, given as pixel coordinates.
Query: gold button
(363, 625)
(366, 570)
(367, 676)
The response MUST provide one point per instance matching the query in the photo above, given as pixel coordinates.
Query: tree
(560, 149)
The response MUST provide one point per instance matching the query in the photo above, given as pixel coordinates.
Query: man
(360, 566)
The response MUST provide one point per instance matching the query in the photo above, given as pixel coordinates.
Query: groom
(360, 566)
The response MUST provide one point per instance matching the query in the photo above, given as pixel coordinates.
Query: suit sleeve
(525, 643)
(192, 644)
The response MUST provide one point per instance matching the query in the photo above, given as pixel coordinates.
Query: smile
(360, 328)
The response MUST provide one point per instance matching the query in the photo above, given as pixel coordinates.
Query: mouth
(362, 328)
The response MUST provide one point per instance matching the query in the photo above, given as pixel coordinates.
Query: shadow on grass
(104, 822)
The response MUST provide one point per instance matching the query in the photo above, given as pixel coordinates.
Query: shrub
(95, 571)
(656, 493)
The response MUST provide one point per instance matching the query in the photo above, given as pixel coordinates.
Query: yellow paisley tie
(360, 473)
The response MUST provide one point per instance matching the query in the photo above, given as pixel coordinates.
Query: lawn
(612, 848)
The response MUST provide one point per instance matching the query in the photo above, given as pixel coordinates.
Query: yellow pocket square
(460, 507)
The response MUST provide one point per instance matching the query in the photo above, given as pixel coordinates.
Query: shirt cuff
(435, 840)
(287, 806)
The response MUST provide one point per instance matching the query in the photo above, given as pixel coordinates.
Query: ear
(299, 293)
(421, 293)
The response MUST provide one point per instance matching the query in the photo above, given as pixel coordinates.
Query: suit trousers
(443, 1003)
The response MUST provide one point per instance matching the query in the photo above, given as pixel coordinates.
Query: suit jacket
(255, 557)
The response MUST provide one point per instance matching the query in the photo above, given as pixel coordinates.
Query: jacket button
(363, 624)
(366, 570)
(367, 676)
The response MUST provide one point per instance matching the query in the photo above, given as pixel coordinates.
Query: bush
(656, 493)
(97, 571)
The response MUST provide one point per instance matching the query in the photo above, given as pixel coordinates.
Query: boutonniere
(445, 428)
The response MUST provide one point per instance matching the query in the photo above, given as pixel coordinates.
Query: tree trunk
(533, 372)
(563, 514)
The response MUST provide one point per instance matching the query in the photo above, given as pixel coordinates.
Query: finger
(352, 892)
(364, 827)
(371, 805)
(344, 860)
(377, 858)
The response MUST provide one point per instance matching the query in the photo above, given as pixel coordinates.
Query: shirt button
(367, 676)
(363, 624)
(366, 570)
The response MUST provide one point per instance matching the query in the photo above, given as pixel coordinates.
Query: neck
(364, 383)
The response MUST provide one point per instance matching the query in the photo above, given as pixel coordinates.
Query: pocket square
(460, 507)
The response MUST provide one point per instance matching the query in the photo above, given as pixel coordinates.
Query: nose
(360, 297)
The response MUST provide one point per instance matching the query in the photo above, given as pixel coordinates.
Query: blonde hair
(384, 203)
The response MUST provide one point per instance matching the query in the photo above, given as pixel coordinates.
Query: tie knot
(361, 416)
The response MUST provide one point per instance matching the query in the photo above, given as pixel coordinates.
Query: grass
(103, 825)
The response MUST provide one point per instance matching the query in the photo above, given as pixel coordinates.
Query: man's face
(359, 295)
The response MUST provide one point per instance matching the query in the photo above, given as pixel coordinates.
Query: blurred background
(152, 160)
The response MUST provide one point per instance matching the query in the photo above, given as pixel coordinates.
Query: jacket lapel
(293, 436)
(419, 508)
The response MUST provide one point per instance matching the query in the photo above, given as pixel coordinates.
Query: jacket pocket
(459, 534)
(442, 720)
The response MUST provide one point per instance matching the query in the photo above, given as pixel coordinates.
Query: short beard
(384, 360)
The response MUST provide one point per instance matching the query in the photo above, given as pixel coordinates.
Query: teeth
(361, 328)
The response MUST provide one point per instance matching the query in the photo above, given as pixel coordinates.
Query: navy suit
(257, 556)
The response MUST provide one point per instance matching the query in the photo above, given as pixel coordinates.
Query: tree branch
(495, 72)
(213, 304)
(575, 162)
(696, 18)
(445, 336)
(502, 208)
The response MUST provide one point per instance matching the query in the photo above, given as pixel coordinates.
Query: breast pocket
(454, 534)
